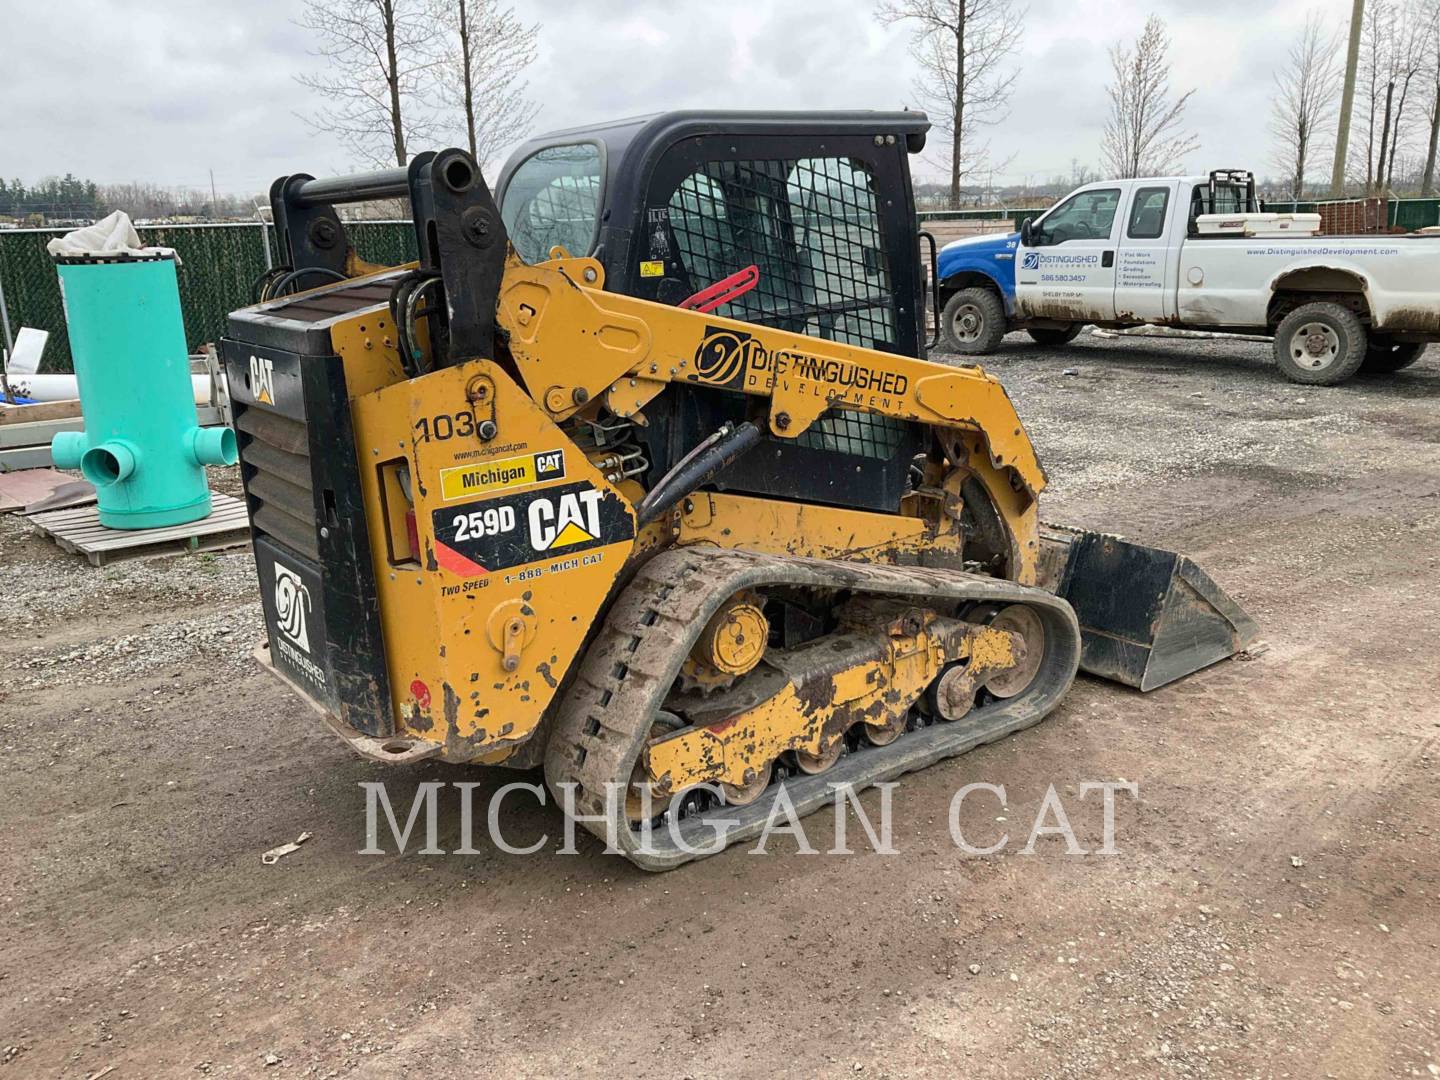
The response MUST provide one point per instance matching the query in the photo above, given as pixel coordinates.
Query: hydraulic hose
(697, 467)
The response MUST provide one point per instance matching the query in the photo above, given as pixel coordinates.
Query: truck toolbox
(1257, 224)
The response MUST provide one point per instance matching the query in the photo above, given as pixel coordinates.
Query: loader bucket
(1147, 616)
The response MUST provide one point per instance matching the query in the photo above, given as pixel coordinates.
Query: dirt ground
(1272, 911)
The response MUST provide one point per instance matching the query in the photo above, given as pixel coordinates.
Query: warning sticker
(658, 221)
(512, 530)
(467, 481)
(652, 268)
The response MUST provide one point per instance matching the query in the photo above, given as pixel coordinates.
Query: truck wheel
(973, 321)
(1386, 357)
(1320, 344)
(1053, 338)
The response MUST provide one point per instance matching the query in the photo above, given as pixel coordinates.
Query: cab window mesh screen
(702, 232)
(863, 434)
(813, 229)
(838, 230)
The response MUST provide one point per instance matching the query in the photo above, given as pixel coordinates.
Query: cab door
(1067, 270)
(1148, 263)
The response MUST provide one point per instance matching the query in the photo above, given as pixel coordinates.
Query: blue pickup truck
(977, 291)
(1107, 254)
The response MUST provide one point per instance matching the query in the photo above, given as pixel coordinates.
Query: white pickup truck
(1195, 252)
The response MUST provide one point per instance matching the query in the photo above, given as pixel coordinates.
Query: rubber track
(604, 721)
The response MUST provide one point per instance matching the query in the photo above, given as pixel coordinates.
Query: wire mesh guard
(813, 229)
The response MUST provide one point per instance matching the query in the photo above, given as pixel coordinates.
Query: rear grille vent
(276, 450)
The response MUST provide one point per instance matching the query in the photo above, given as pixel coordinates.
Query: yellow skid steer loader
(641, 475)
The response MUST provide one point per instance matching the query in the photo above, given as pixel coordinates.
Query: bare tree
(962, 48)
(1430, 38)
(378, 55)
(483, 72)
(1393, 49)
(149, 201)
(1145, 134)
(1373, 34)
(1080, 175)
(1406, 50)
(1305, 99)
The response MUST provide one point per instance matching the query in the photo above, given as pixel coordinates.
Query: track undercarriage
(675, 757)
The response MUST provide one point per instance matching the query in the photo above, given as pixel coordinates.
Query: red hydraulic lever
(724, 290)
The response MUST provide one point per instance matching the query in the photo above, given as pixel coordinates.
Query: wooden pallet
(78, 530)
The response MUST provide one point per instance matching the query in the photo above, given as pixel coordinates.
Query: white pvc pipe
(48, 387)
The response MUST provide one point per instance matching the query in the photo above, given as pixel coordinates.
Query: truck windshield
(553, 199)
(1087, 215)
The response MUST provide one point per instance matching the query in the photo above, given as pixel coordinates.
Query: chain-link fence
(219, 265)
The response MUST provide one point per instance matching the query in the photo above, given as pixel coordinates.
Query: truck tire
(1387, 357)
(1320, 344)
(973, 322)
(1052, 338)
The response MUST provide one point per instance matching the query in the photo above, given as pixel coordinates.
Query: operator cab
(821, 204)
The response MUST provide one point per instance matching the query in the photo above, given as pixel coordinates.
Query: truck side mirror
(1027, 232)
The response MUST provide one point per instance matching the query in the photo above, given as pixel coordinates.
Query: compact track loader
(641, 476)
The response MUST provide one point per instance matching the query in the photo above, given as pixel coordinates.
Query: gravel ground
(1271, 913)
(1201, 405)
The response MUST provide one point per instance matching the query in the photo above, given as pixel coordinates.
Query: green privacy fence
(218, 268)
(1412, 214)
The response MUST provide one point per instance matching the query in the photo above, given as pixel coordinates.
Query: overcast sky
(166, 91)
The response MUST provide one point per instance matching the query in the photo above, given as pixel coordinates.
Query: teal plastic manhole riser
(143, 447)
